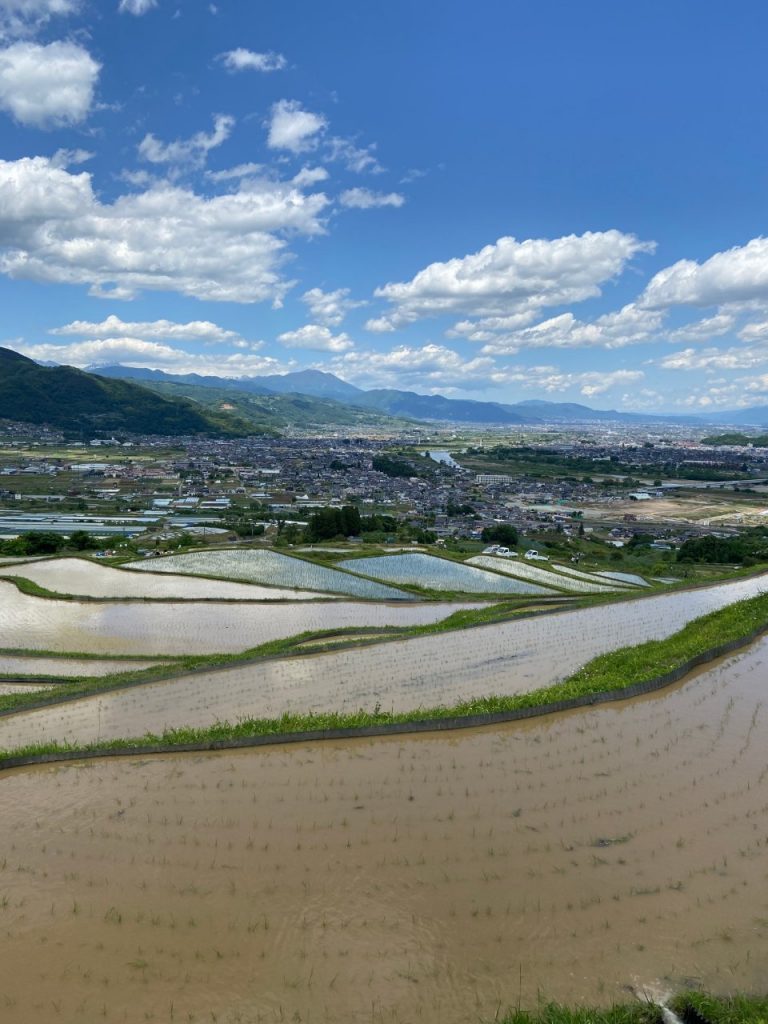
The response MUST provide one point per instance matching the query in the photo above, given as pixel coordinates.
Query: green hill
(274, 411)
(79, 403)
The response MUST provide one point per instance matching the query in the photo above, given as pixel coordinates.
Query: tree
(501, 533)
(81, 540)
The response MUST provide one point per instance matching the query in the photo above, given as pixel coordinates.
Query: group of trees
(44, 542)
(500, 533)
(748, 549)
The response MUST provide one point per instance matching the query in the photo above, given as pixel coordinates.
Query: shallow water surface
(186, 627)
(511, 657)
(435, 879)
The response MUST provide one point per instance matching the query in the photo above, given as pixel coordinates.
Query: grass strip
(555, 1013)
(737, 1009)
(613, 672)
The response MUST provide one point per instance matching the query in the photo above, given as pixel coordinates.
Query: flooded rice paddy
(82, 578)
(30, 665)
(544, 576)
(511, 657)
(438, 574)
(434, 879)
(185, 627)
(271, 568)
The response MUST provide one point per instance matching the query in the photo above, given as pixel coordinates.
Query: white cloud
(714, 359)
(309, 176)
(193, 151)
(755, 331)
(627, 326)
(359, 159)
(329, 307)
(47, 86)
(246, 60)
(240, 171)
(293, 128)
(364, 199)
(137, 352)
(590, 383)
(426, 368)
(735, 276)
(114, 327)
(137, 7)
(511, 277)
(23, 17)
(702, 330)
(317, 338)
(71, 157)
(487, 328)
(223, 248)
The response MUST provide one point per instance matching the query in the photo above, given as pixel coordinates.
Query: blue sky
(501, 200)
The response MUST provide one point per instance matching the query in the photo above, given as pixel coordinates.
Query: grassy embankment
(740, 1009)
(611, 672)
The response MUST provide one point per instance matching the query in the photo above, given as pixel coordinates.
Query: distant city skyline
(500, 202)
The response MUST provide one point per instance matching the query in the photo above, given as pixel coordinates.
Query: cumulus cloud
(246, 60)
(137, 7)
(293, 128)
(187, 151)
(137, 352)
(365, 199)
(317, 338)
(329, 307)
(627, 326)
(114, 327)
(23, 17)
(224, 248)
(511, 277)
(47, 86)
(738, 275)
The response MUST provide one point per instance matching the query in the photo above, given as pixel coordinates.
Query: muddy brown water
(429, 879)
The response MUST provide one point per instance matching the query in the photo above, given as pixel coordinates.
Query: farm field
(186, 627)
(83, 578)
(440, 879)
(438, 574)
(510, 657)
(269, 567)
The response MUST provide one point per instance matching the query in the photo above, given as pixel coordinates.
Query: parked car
(533, 556)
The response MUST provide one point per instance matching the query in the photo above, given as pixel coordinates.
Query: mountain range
(390, 402)
(145, 401)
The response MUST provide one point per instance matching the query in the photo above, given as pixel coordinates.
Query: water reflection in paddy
(509, 658)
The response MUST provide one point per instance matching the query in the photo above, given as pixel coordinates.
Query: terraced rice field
(541, 576)
(84, 578)
(435, 879)
(437, 574)
(185, 627)
(592, 577)
(511, 657)
(270, 568)
(625, 577)
(26, 665)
